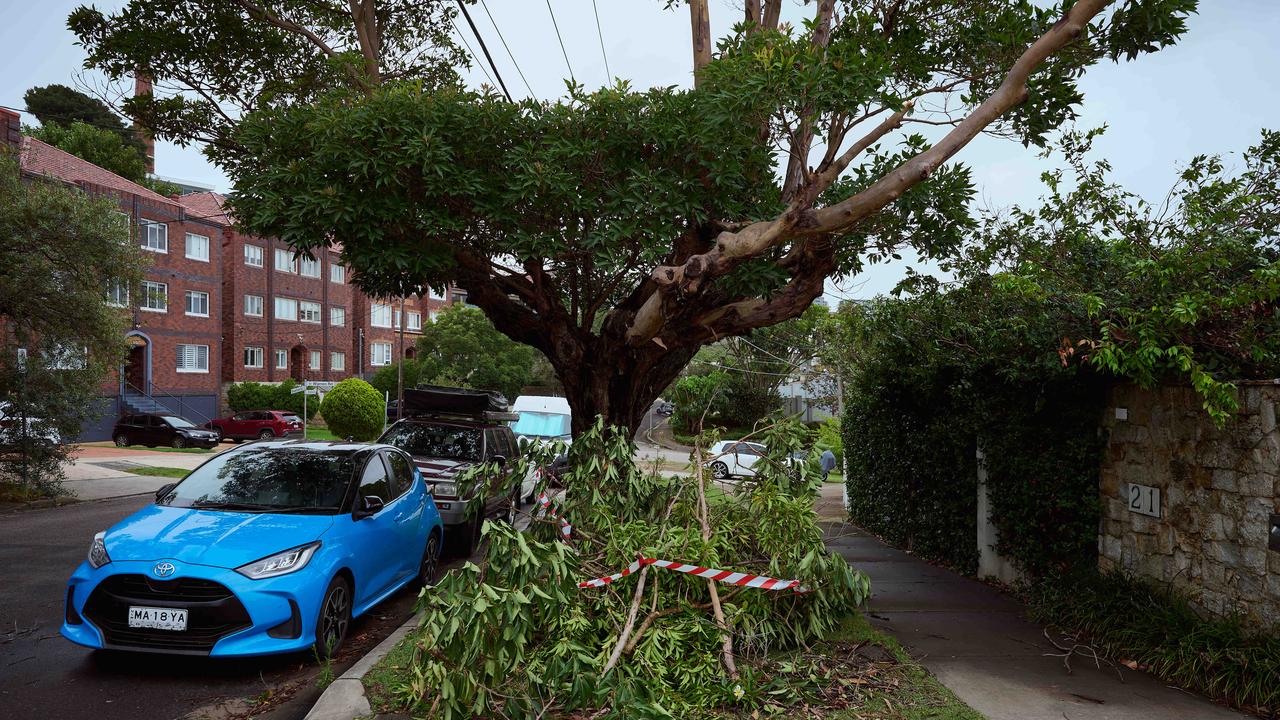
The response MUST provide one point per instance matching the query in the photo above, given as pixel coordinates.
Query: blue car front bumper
(227, 614)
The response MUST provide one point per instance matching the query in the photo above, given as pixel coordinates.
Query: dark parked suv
(446, 442)
(257, 425)
(152, 430)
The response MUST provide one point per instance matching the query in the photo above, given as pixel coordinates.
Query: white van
(542, 419)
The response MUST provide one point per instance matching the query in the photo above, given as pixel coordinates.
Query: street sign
(304, 388)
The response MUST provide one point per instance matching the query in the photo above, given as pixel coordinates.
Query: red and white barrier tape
(545, 502)
(724, 576)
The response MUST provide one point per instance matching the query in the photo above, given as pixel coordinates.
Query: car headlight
(98, 551)
(447, 489)
(282, 563)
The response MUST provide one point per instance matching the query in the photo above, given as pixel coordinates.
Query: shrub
(264, 396)
(353, 408)
(1131, 619)
(698, 399)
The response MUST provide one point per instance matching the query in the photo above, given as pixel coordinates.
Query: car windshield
(442, 441)
(176, 422)
(267, 479)
(542, 424)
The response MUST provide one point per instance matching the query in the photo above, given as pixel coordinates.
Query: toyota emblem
(164, 569)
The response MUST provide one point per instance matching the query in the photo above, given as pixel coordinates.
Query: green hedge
(264, 396)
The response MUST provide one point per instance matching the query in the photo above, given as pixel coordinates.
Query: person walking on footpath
(827, 462)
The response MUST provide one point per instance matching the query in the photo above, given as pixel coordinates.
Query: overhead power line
(561, 39)
(600, 34)
(479, 64)
(494, 23)
(485, 48)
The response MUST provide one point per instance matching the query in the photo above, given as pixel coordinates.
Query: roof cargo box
(426, 399)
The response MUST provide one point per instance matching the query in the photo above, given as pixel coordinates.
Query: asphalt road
(43, 675)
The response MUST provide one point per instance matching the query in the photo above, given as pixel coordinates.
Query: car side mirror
(164, 490)
(500, 460)
(369, 506)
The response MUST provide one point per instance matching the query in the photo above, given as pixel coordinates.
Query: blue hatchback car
(269, 548)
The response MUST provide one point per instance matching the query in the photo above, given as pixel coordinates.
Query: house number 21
(1144, 500)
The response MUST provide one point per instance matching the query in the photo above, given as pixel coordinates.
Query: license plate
(158, 618)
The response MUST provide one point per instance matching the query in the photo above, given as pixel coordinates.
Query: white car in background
(542, 419)
(734, 458)
(11, 428)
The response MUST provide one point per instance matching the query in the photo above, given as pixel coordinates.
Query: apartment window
(415, 322)
(309, 266)
(253, 357)
(118, 293)
(124, 221)
(155, 296)
(395, 320)
(198, 247)
(193, 358)
(434, 295)
(286, 309)
(282, 359)
(337, 316)
(380, 315)
(433, 315)
(286, 261)
(337, 361)
(198, 303)
(379, 353)
(337, 273)
(308, 311)
(253, 305)
(253, 255)
(314, 361)
(155, 236)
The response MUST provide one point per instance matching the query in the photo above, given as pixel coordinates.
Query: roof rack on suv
(485, 415)
(442, 402)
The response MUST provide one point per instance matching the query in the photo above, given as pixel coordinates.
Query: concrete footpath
(978, 642)
(101, 472)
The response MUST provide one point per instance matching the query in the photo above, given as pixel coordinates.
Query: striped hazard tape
(545, 502)
(724, 576)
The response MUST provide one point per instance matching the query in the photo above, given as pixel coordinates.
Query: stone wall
(1218, 489)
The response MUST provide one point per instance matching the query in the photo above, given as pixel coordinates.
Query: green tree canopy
(60, 250)
(619, 231)
(103, 148)
(61, 105)
(462, 348)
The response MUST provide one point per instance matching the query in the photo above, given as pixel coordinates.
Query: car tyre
(430, 560)
(122, 440)
(266, 435)
(334, 619)
(467, 537)
(513, 508)
(178, 442)
(719, 470)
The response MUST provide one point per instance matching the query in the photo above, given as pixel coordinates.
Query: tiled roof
(206, 206)
(39, 158)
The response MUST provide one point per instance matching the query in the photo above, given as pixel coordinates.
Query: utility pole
(404, 318)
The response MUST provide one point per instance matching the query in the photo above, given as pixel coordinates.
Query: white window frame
(290, 302)
(247, 306)
(282, 359)
(415, 322)
(161, 232)
(114, 288)
(374, 353)
(147, 286)
(252, 253)
(184, 352)
(337, 361)
(337, 273)
(337, 316)
(195, 294)
(290, 261)
(253, 357)
(314, 359)
(380, 315)
(193, 236)
(307, 267)
(309, 312)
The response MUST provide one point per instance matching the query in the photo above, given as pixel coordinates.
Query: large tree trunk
(618, 383)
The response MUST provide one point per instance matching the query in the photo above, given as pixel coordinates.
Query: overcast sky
(1212, 92)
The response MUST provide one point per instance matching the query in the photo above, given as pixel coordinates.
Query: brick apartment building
(217, 306)
(175, 338)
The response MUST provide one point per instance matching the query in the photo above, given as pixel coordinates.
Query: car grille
(213, 612)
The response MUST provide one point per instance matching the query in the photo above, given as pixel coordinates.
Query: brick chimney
(10, 130)
(142, 86)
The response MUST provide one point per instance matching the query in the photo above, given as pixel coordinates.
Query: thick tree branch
(366, 21)
(772, 12)
(700, 20)
(732, 249)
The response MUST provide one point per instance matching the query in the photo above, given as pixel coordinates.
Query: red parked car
(257, 425)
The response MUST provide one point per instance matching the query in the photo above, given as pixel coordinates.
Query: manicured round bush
(353, 408)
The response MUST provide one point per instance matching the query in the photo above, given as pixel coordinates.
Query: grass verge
(141, 448)
(156, 471)
(868, 675)
(1142, 625)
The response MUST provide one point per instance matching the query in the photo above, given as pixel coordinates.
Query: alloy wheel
(179, 442)
(719, 471)
(334, 617)
(266, 435)
(122, 440)
(430, 560)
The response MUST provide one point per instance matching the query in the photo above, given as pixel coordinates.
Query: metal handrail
(182, 407)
